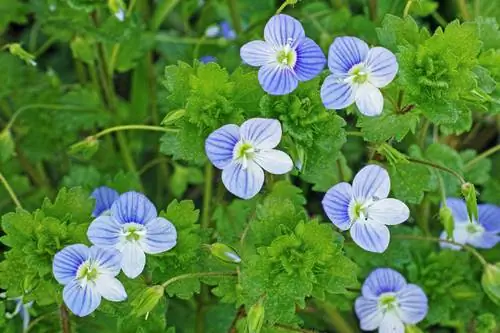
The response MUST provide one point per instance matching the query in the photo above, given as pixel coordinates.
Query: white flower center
(286, 56)
(358, 74)
(359, 210)
(243, 153)
(133, 232)
(87, 272)
(472, 229)
(387, 302)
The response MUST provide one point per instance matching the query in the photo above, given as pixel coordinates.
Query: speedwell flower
(21, 309)
(88, 274)
(104, 198)
(357, 74)
(483, 233)
(242, 152)
(365, 209)
(286, 56)
(387, 302)
(133, 228)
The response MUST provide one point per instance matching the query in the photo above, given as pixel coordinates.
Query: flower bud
(147, 300)
(225, 253)
(173, 116)
(17, 50)
(491, 282)
(446, 218)
(6, 145)
(255, 318)
(117, 7)
(469, 193)
(85, 149)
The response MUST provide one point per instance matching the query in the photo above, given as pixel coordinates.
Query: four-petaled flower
(286, 56)
(104, 198)
(357, 74)
(242, 152)
(88, 274)
(365, 209)
(133, 228)
(483, 234)
(387, 302)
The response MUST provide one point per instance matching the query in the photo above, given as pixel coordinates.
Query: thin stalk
(282, 7)
(439, 19)
(207, 196)
(470, 249)
(161, 12)
(483, 155)
(132, 127)
(354, 133)
(462, 7)
(423, 133)
(406, 11)
(45, 46)
(437, 166)
(235, 16)
(65, 323)
(152, 163)
(11, 192)
(424, 214)
(195, 275)
(334, 317)
(165, 38)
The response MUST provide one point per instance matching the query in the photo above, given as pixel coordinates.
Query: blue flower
(88, 274)
(357, 74)
(223, 30)
(387, 302)
(286, 56)
(104, 198)
(21, 309)
(365, 209)
(483, 234)
(242, 152)
(133, 228)
(208, 58)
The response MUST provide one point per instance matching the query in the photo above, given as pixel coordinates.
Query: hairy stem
(133, 127)
(207, 196)
(437, 166)
(9, 190)
(406, 11)
(235, 16)
(65, 323)
(196, 275)
(483, 155)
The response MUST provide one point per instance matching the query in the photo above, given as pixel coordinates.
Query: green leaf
(388, 125)
(410, 181)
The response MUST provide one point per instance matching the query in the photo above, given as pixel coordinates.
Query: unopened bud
(85, 149)
(255, 318)
(225, 253)
(491, 282)
(147, 300)
(117, 7)
(6, 145)
(469, 193)
(17, 50)
(446, 218)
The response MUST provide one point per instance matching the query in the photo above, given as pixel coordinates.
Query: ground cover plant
(248, 166)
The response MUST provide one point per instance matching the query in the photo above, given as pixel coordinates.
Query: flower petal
(369, 100)
(336, 205)
(160, 236)
(282, 29)
(337, 94)
(274, 161)
(382, 280)
(110, 288)
(82, 300)
(310, 60)
(104, 198)
(382, 66)
(67, 261)
(104, 231)
(226, 31)
(388, 211)
(109, 259)
(344, 53)
(413, 304)
(373, 237)
(220, 144)
(133, 259)
(277, 80)
(368, 312)
(371, 182)
(484, 240)
(133, 207)
(489, 217)
(460, 235)
(391, 324)
(257, 53)
(458, 209)
(244, 183)
(263, 133)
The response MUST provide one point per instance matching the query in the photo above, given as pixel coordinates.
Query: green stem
(462, 7)
(334, 317)
(207, 196)
(196, 275)
(354, 133)
(10, 191)
(439, 19)
(468, 248)
(165, 38)
(437, 166)
(282, 7)
(423, 133)
(65, 323)
(288, 328)
(423, 216)
(45, 46)
(162, 12)
(132, 127)
(235, 16)
(406, 11)
(485, 154)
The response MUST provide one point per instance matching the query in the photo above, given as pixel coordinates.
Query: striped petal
(82, 300)
(388, 211)
(382, 66)
(372, 237)
(133, 207)
(110, 288)
(244, 183)
(336, 205)
(104, 231)
(369, 100)
(133, 259)
(391, 324)
(413, 304)
(344, 53)
(108, 259)
(274, 161)
(220, 144)
(458, 209)
(483, 240)
(160, 236)
(67, 261)
(337, 94)
(263, 133)
(277, 80)
(257, 53)
(310, 60)
(104, 198)
(282, 29)
(371, 182)
(368, 313)
(382, 280)
(489, 217)
(460, 235)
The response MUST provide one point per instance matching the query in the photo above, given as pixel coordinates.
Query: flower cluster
(125, 228)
